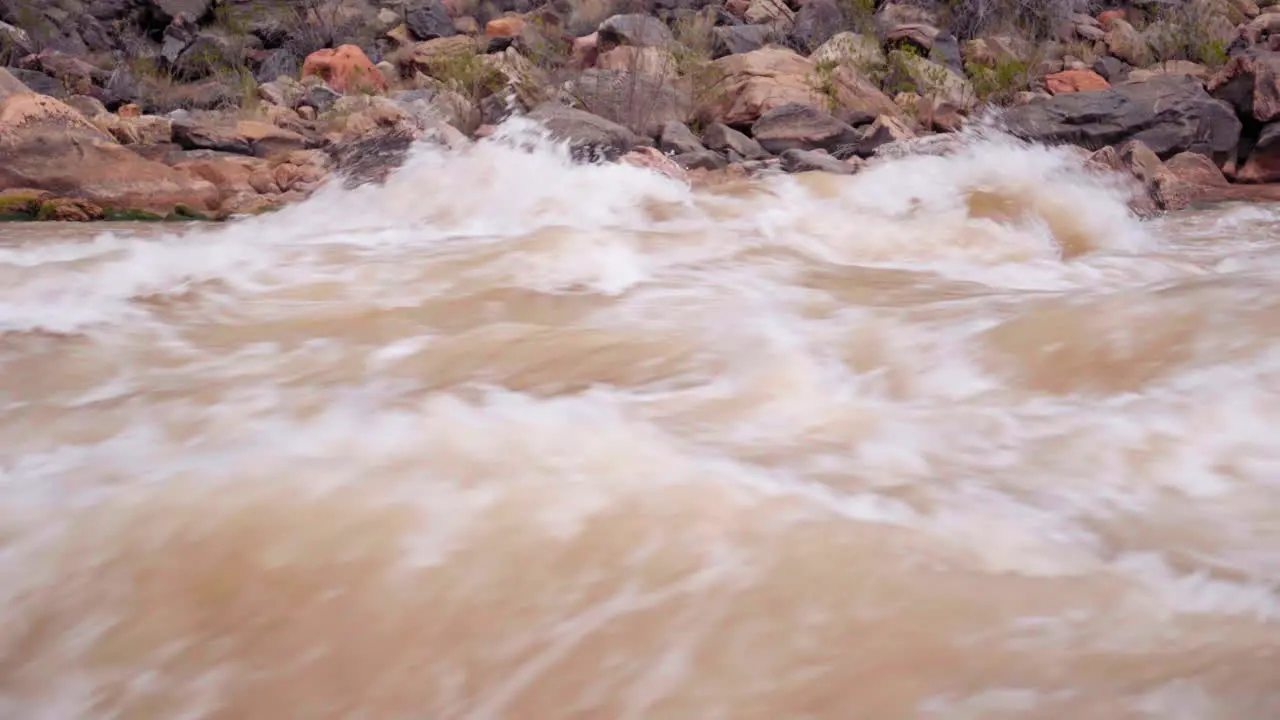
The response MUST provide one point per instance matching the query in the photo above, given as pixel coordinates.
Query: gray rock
(796, 161)
(590, 137)
(428, 20)
(637, 29)
(40, 82)
(282, 61)
(796, 126)
(719, 136)
(676, 138)
(164, 11)
(817, 22)
(322, 97)
(1170, 114)
(87, 106)
(701, 160)
(738, 39)
(1113, 69)
(15, 40)
(10, 85)
(640, 102)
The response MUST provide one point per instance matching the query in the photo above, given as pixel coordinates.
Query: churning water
(512, 438)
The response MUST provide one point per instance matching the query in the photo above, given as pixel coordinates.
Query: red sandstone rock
(1069, 81)
(346, 69)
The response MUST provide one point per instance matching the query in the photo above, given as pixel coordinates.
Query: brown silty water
(512, 438)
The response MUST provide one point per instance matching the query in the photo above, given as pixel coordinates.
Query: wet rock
(1263, 162)
(701, 160)
(428, 20)
(346, 69)
(589, 137)
(756, 82)
(719, 136)
(929, 145)
(650, 159)
(797, 161)
(739, 39)
(1069, 81)
(49, 146)
(676, 138)
(638, 30)
(1170, 114)
(795, 126)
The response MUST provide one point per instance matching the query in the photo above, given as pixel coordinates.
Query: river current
(509, 437)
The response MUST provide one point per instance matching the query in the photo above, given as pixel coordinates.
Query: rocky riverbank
(213, 108)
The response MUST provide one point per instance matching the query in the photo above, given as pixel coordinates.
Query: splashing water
(510, 437)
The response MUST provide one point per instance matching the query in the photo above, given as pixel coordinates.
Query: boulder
(640, 102)
(588, 136)
(882, 132)
(798, 161)
(795, 126)
(1113, 69)
(816, 23)
(676, 138)
(1069, 81)
(1171, 114)
(996, 50)
(719, 136)
(346, 69)
(10, 85)
(636, 29)
(1251, 83)
(246, 137)
(700, 160)
(653, 62)
(932, 79)
(756, 82)
(1172, 67)
(1263, 163)
(165, 11)
(1126, 43)
(862, 52)
(736, 39)
(428, 20)
(770, 12)
(650, 159)
(47, 145)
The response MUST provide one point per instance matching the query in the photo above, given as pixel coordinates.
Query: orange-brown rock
(508, 26)
(762, 80)
(1069, 81)
(69, 210)
(1107, 17)
(139, 130)
(654, 62)
(345, 69)
(47, 145)
(129, 111)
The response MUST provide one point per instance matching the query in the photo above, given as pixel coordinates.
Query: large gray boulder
(1170, 114)
(590, 137)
